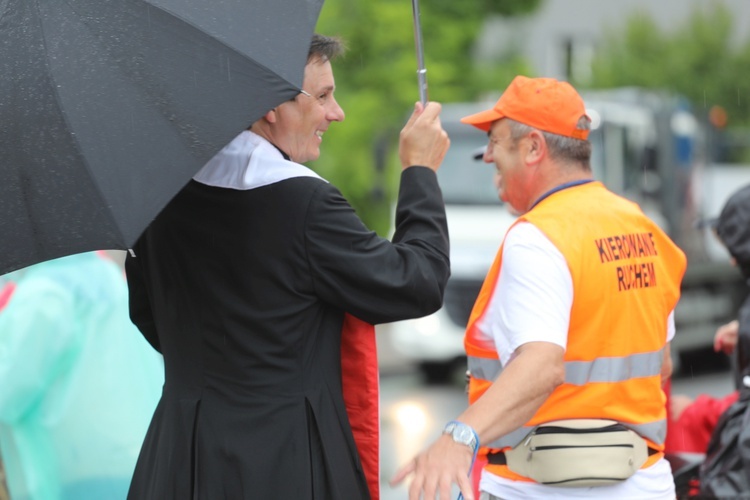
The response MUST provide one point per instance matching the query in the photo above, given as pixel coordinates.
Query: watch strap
(462, 433)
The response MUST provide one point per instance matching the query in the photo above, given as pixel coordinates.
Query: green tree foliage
(377, 84)
(699, 60)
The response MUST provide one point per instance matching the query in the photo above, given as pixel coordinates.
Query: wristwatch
(462, 433)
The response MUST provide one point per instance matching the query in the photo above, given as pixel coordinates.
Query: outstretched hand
(423, 141)
(726, 337)
(436, 469)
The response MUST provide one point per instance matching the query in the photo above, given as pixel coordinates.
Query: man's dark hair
(325, 48)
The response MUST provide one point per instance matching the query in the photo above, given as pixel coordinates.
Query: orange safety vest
(626, 277)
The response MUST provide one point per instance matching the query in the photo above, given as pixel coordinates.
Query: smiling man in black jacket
(245, 283)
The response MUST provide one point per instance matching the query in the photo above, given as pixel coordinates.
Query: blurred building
(561, 36)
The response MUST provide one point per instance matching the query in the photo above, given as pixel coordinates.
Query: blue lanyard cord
(473, 460)
(565, 185)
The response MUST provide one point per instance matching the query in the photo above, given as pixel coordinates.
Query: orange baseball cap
(543, 103)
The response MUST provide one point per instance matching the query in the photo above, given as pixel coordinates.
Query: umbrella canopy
(108, 107)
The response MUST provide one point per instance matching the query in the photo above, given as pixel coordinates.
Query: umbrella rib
(114, 105)
(64, 116)
(6, 4)
(222, 42)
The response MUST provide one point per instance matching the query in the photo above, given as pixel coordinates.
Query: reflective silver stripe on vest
(484, 368)
(615, 369)
(612, 369)
(608, 370)
(653, 431)
(511, 439)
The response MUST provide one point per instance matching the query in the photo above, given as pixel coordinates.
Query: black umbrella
(108, 107)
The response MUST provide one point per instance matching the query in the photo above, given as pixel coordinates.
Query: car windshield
(463, 179)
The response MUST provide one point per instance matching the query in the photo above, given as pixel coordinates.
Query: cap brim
(710, 222)
(482, 120)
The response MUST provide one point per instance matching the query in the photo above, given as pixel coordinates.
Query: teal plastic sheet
(78, 383)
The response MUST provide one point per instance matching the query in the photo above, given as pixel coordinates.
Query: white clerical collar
(249, 162)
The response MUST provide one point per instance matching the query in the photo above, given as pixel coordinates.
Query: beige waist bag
(578, 453)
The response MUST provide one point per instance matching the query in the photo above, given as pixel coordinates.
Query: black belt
(498, 457)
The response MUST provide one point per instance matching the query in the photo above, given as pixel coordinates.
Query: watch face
(463, 434)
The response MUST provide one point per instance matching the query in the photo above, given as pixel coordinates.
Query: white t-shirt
(532, 302)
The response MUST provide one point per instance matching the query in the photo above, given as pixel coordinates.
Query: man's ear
(536, 147)
(270, 116)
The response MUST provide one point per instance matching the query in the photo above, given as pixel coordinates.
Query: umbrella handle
(421, 71)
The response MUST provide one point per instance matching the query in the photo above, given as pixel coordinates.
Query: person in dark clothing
(693, 420)
(256, 283)
(733, 229)
(725, 473)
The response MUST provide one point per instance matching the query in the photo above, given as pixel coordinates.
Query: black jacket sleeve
(377, 280)
(139, 303)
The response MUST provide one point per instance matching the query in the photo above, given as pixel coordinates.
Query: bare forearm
(667, 366)
(518, 393)
(508, 404)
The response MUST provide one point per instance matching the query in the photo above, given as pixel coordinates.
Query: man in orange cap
(568, 341)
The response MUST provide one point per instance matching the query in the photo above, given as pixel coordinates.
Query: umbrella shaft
(421, 71)
(422, 79)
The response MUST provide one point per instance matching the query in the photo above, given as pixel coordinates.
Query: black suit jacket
(244, 294)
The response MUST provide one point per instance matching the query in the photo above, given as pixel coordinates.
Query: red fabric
(359, 368)
(5, 294)
(476, 473)
(692, 430)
